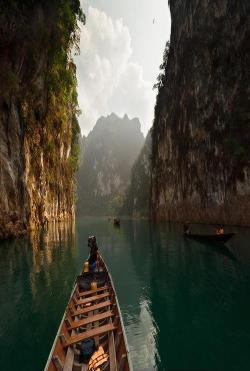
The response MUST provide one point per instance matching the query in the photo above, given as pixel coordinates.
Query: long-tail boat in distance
(214, 238)
(91, 336)
(117, 222)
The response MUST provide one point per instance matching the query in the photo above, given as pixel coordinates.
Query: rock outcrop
(201, 132)
(110, 151)
(136, 202)
(38, 107)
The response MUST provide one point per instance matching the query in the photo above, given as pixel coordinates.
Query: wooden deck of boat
(90, 315)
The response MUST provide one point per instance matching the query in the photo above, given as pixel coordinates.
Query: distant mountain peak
(113, 116)
(110, 151)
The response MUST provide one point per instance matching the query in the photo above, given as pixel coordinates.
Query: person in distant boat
(93, 253)
(220, 231)
(186, 228)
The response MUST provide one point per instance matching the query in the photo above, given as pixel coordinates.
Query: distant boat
(91, 335)
(214, 238)
(117, 222)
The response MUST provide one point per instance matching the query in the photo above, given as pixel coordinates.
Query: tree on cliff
(162, 77)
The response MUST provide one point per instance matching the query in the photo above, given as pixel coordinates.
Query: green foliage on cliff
(162, 77)
(38, 74)
(39, 109)
(61, 78)
(161, 85)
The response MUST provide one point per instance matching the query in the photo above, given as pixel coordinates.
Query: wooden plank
(85, 366)
(57, 363)
(68, 365)
(85, 293)
(62, 339)
(90, 333)
(103, 304)
(92, 298)
(94, 318)
(67, 321)
(118, 339)
(122, 362)
(112, 355)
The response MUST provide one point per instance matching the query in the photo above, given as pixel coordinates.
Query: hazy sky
(121, 47)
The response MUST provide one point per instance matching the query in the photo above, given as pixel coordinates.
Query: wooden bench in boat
(103, 304)
(91, 292)
(91, 319)
(89, 334)
(92, 298)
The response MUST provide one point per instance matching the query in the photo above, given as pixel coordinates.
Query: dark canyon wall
(38, 108)
(136, 203)
(201, 132)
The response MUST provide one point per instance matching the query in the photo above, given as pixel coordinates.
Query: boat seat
(103, 304)
(88, 334)
(92, 298)
(85, 293)
(91, 319)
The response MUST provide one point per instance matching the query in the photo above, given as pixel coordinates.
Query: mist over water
(185, 305)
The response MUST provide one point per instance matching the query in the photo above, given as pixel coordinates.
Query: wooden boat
(117, 222)
(214, 238)
(92, 313)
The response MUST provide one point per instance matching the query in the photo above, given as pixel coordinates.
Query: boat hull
(92, 312)
(220, 238)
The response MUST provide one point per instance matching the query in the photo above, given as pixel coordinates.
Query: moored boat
(215, 238)
(91, 336)
(117, 222)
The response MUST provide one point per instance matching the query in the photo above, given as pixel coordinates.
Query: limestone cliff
(136, 202)
(110, 150)
(38, 108)
(201, 132)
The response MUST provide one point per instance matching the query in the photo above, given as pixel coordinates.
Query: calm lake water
(185, 305)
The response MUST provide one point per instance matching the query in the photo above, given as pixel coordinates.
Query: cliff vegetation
(38, 112)
(201, 131)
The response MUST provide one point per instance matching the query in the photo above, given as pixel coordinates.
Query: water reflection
(192, 297)
(35, 281)
(44, 246)
(185, 305)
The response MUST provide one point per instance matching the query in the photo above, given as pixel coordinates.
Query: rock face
(201, 133)
(136, 202)
(110, 150)
(38, 126)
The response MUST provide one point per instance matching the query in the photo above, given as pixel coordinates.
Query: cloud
(108, 80)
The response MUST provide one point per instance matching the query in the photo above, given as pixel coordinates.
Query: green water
(186, 306)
